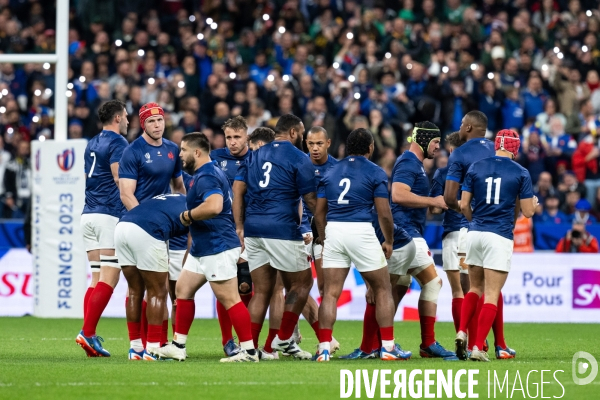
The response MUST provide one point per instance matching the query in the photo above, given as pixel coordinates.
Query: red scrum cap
(148, 110)
(508, 140)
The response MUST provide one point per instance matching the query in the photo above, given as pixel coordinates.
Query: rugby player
(214, 253)
(346, 195)
(101, 213)
(141, 241)
(494, 191)
(150, 167)
(229, 160)
(453, 224)
(410, 195)
(271, 182)
(472, 131)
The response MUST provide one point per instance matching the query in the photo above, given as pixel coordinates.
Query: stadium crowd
(383, 65)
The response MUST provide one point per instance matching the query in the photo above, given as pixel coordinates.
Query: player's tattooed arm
(321, 219)
(386, 221)
(402, 195)
(451, 195)
(465, 205)
(310, 199)
(127, 189)
(239, 191)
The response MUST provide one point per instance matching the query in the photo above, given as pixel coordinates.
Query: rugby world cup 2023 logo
(66, 159)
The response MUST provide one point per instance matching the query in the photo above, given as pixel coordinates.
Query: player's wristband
(182, 216)
(191, 219)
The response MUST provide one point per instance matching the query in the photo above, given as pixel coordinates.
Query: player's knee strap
(416, 271)
(95, 266)
(109, 261)
(404, 280)
(244, 277)
(431, 290)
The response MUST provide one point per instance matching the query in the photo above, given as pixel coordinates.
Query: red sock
(387, 332)
(272, 333)
(96, 305)
(456, 309)
(472, 330)
(486, 319)
(325, 335)
(427, 331)
(165, 332)
(186, 309)
(288, 323)
(370, 329)
(315, 326)
(256, 328)
(468, 309)
(498, 325)
(224, 323)
(154, 333)
(134, 330)
(144, 322)
(246, 299)
(86, 300)
(239, 316)
(377, 340)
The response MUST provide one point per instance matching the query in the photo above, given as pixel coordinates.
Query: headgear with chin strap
(422, 137)
(149, 110)
(508, 140)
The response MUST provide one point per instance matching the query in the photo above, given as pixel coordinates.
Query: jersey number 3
(267, 166)
(346, 184)
(488, 197)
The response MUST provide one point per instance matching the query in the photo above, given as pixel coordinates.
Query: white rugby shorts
(489, 250)
(98, 231)
(423, 255)
(283, 255)
(352, 242)
(462, 240)
(134, 246)
(175, 263)
(450, 250)
(401, 259)
(216, 267)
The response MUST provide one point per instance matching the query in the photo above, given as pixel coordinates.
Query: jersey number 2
(267, 175)
(346, 184)
(93, 155)
(488, 197)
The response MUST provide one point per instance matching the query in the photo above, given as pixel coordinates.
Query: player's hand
(387, 248)
(370, 296)
(439, 202)
(307, 237)
(240, 233)
(535, 202)
(319, 241)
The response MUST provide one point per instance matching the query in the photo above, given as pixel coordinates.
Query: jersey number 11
(488, 197)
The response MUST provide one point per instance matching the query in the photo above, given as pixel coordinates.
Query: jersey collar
(210, 164)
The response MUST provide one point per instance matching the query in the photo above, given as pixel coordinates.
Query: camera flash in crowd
(285, 78)
(445, 69)
(588, 13)
(336, 65)
(281, 30)
(151, 81)
(10, 131)
(351, 78)
(118, 42)
(232, 75)
(357, 96)
(42, 138)
(409, 66)
(35, 119)
(545, 67)
(48, 92)
(37, 92)
(584, 48)
(69, 86)
(46, 66)
(491, 75)
(556, 50)
(474, 67)
(560, 56)
(270, 78)
(2, 110)
(82, 79)
(388, 55)
(141, 53)
(214, 25)
(265, 17)
(69, 93)
(181, 84)
(350, 35)
(4, 92)
(209, 21)
(200, 36)
(192, 18)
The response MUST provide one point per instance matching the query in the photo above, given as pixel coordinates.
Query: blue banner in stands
(11, 234)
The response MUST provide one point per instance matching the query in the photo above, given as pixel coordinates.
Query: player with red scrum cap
(494, 190)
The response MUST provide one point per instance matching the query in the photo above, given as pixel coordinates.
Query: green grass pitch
(40, 360)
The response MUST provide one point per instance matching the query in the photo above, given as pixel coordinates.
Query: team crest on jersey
(276, 145)
(482, 141)
(224, 165)
(351, 159)
(158, 154)
(237, 162)
(148, 160)
(66, 159)
(317, 172)
(170, 155)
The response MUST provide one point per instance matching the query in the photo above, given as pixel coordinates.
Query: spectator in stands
(582, 213)
(17, 183)
(523, 235)
(551, 213)
(533, 156)
(550, 111)
(544, 187)
(578, 240)
(512, 110)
